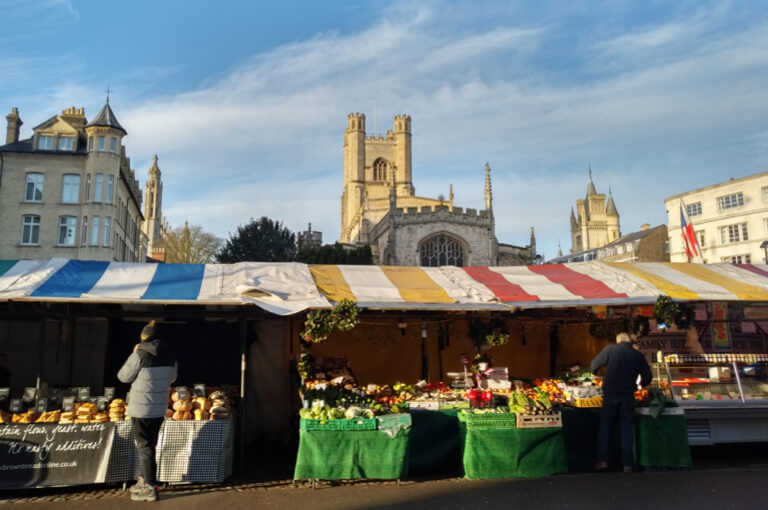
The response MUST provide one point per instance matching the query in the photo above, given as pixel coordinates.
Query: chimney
(14, 125)
(645, 226)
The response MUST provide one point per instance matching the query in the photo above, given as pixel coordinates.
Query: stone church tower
(371, 165)
(596, 222)
(153, 212)
(379, 208)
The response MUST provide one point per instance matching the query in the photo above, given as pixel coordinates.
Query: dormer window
(45, 143)
(65, 143)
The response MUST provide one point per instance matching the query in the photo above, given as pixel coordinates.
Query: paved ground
(721, 479)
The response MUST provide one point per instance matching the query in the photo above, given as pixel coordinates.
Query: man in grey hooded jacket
(150, 370)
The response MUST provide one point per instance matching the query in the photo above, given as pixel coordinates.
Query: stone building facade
(379, 207)
(596, 222)
(69, 190)
(730, 220)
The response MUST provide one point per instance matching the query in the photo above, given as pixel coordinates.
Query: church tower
(153, 211)
(595, 222)
(371, 164)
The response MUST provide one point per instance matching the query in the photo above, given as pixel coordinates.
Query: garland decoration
(321, 323)
(491, 334)
(306, 366)
(667, 311)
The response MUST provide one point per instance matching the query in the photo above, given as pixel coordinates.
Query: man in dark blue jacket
(624, 367)
(150, 369)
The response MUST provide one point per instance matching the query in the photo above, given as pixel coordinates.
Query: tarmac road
(722, 477)
(696, 490)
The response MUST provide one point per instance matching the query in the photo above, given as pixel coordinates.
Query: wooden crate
(539, 421)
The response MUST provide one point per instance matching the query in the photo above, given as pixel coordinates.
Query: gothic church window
(380, 170)
(441, 250)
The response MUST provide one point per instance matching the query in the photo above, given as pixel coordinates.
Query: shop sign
(38, 454)
(756, 312)
(644, 311)
(721, 337)
(650, 345)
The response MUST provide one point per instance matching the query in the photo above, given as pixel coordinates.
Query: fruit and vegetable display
(531, 401)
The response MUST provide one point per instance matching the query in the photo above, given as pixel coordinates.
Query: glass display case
(719, 379)
(724, 396)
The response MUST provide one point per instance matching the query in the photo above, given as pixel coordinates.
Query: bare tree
(190, 245)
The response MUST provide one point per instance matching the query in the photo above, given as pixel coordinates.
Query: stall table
(435, 441)
(187, 452)
(493, 447)
(52, 454)
(378, 451)
(660, 443)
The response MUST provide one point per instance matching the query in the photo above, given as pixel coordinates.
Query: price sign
(54, 397)
(183, 393)
(109, 392)
(15, 406)
(68, 403)
(42, 405)
(30, 394)
(199, 390)
(83, 394)
(5, 394)
(102, 403)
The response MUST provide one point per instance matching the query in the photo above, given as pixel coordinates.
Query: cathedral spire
(590, 185)
(610, 207)
(488, 192)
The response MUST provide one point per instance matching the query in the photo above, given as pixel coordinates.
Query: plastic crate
(488, 421)
(339, 424)
(539, 421)
(393, 421)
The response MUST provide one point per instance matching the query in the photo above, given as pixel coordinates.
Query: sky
(245, 103)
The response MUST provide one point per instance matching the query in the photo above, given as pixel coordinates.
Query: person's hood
(150, 347)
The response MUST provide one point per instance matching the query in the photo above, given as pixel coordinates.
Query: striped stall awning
(286, 288)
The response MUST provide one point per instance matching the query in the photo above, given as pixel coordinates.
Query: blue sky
(245, 103)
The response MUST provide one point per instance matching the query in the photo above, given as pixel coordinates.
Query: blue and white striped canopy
(281, 288)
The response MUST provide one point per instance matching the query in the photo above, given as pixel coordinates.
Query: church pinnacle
(488, 192)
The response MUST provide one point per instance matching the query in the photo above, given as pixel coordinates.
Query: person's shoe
(138, 486)
(601, 466)
(629, 469)
(148, 493)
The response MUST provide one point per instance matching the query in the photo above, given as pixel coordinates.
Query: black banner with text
(39, 454)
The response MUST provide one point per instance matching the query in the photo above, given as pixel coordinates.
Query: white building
(730, 220)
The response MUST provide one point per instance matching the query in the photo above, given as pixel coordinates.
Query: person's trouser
(145, 432)
(623, 406)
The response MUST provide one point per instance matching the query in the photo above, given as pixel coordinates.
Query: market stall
(91, 441)
(418, 324)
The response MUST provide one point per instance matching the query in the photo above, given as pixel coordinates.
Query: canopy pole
(243, 347)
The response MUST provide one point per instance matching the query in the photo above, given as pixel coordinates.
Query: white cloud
(267, 139)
